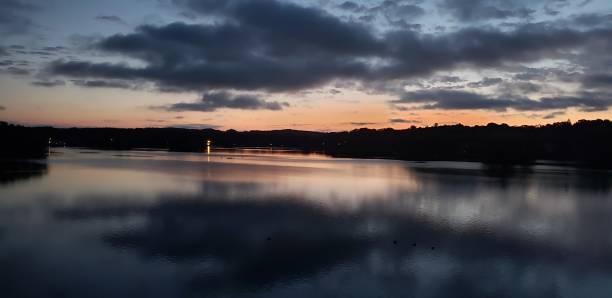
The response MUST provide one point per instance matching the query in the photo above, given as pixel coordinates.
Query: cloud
(53, 83)
(485, 82)
(264, 256)
(553, 7)
(396, 11)
(519, 87)
(400, 120)
(477, 10)
(257, 55)
(41, 53)
(598, 80)
(102, 84)
(351, 6)
(450, 99)
(260, 54)
(458, 100)
(2, 108)
(362, 123)
(546, 73)
(553, 115)
(592, 20)
(111, 19)
(448, 79)
(211, 101)
(53, 49)
(274, 46)
(18, 71)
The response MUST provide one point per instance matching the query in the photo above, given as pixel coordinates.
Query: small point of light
(208, 143)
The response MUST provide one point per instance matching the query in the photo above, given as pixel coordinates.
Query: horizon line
(413, 126)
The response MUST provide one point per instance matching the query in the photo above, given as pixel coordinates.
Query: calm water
(261, 224)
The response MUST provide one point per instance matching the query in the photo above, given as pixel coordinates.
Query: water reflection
(260, 225)
(15, 170)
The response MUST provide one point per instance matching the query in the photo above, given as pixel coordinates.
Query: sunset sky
(309, 65)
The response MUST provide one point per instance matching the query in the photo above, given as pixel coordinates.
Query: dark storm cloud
(459, 100)
(111, 19)
(416, 54)
(212, 101)
(288, 28)
(260, 52)
(3, 51)
(476, 10)
(275, 46)
(193, 57)
(53, 83)
(196, 57)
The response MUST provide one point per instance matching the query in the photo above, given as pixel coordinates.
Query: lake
(261, 223)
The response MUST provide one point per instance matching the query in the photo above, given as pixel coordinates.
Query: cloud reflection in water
(302, 227)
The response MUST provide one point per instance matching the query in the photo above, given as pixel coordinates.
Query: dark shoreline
(583, 144)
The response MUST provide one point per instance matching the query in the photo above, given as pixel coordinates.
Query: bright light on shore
(208, 143)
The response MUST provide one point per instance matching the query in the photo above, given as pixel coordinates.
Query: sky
(321, 65)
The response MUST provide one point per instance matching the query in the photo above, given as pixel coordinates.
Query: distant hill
(587, 141)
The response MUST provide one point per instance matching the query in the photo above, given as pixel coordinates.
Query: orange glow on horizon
(315, 112)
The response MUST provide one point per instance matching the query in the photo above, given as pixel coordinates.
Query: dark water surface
(262, 224)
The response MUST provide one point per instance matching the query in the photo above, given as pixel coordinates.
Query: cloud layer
(236, 46)
(193, 57)
(458, 100)
(211, 101)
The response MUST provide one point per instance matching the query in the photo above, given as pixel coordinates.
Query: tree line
(585, 141)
